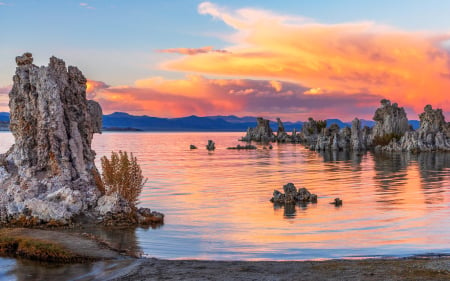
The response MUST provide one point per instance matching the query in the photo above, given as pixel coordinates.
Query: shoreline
(437, 268)
(110, 263)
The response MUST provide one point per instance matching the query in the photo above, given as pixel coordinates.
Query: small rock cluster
(239, 147)
(292, 195)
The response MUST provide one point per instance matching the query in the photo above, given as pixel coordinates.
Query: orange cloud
(412, 68)
(199, 95)
(93, 86)
(192, 51)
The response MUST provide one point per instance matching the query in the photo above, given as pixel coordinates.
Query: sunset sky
(290, 59)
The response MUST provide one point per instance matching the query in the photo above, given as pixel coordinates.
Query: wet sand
(367, 269)
(120, 266)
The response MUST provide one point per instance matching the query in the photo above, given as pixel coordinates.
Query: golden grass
(35, 249)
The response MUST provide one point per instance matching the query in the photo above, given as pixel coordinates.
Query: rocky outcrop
(432, 135)
(390, 120)
(49, 174)
(261, 133)
(113, 210)
(390, 133)
(359, 136)
(282, 135)
(292, 196)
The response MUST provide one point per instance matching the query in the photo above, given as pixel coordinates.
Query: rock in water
(211, 145)
(49, 173)
(433, 134)
(292, 195)
(261, 133)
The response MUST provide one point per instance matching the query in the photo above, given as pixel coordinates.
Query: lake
(217, 203)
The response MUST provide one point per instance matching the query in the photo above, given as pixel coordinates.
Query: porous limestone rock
(432, 135)
(26, 58)
(49, 173)
(114, 204)
(282, 136)
(261, 133)
(358, 141)
(390, 120)
(391, 132)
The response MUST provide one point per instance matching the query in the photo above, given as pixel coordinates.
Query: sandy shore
(118, 265)
(368, 269)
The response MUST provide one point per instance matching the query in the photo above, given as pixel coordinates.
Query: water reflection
(217, 203)
(122, 239)
(290, 210)
(434, 172)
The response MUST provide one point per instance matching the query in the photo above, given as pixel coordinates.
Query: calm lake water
(217, 203)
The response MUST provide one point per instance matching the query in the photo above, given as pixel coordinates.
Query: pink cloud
(192, 51)
(199, 95)
(87, 6)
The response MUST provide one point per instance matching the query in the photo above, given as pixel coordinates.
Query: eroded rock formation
(49, 174)
(391, 132)
(390, 120)
(261, 133)
(432, 135)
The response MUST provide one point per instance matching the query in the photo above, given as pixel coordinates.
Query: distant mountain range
(121, 121)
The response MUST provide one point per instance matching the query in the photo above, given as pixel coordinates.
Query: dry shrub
(122, 174)
(386, 139)
(98, 181)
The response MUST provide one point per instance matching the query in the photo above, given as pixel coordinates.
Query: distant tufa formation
(49, 174)
(390, 133)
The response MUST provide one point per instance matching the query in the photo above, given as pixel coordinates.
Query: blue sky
(117, 41)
